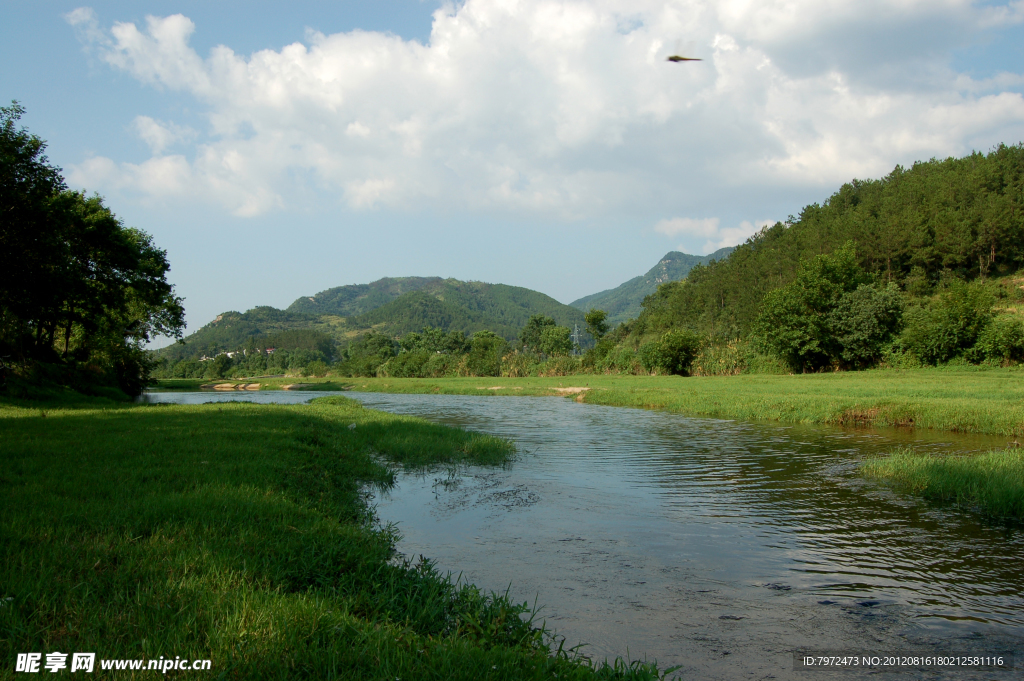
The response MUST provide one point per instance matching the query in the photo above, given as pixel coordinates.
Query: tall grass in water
(242, 534)
(992, 482)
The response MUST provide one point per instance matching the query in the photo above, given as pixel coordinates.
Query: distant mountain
(466, 306)
(357, 299)
(394, 306)
(231, 330)
(623, 302)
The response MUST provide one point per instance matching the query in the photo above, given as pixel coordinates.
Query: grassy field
(964, 400)
(992, 483)
(242, 534)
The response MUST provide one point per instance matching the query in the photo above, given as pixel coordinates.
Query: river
(720, 546)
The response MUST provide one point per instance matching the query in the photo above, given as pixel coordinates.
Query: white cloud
(567, 109)
(160, 135)
(734, 236)
(709, 231)
(367, 193)
(688, 227)
(87, 26)
(1010, 14)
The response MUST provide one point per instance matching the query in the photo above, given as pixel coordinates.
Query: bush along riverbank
(243, 534)
(992, 483)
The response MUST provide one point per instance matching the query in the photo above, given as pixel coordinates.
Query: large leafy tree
(556, 341)
(76, 285)
(597, 325)
(27, 262)
(797, 321)
(531, 336)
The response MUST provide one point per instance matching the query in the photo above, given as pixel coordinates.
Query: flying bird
(689, 49)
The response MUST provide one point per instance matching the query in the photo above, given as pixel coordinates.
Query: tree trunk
(67, 335)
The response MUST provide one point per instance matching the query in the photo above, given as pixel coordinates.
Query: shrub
(950, 325)
(486, 350)
(217, 367)
(560, 366)
(317, 368)
(404, 365)
(517, 365)
(864, 321)
(678, 350)
(720, 359)
(762, 363)
(556, 341)
(671, 354)
(441, 365)
(1001, 341)
(896, 356)
(621, 359)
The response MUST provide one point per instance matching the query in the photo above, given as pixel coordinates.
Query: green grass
(964, 400)
(242, 534)
(992, 483)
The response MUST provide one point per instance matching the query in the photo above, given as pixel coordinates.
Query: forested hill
(467, 306)
(393, 306)
(357, 299)
(959, 218)
(231, 330)
(623, 302)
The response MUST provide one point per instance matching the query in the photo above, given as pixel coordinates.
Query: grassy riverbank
(992, 483)
(239, 533)
(961, 400)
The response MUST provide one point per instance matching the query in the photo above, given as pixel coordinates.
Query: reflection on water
(720, 546)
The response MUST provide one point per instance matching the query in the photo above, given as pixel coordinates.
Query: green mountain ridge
(397, 305)
(624, 301)
(357, 299)
(394, 306)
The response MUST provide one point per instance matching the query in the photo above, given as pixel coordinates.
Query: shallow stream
(720, 546)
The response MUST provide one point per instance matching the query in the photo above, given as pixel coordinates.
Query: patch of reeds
(992, 482)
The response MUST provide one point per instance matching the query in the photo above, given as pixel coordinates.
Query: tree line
(431, 352)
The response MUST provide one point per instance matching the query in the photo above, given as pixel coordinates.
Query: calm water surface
(721, 546)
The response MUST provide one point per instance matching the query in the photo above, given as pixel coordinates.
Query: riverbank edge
(961, 401)
(991, 483)
(239, 533)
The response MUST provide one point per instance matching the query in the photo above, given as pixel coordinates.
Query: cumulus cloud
(160, 135)
(688, 227)
(566, 109)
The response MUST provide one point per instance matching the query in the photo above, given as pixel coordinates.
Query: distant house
(270, 351)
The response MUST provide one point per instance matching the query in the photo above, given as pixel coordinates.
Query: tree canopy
(77, 286)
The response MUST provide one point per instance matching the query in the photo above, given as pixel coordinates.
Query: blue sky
(277, 151)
